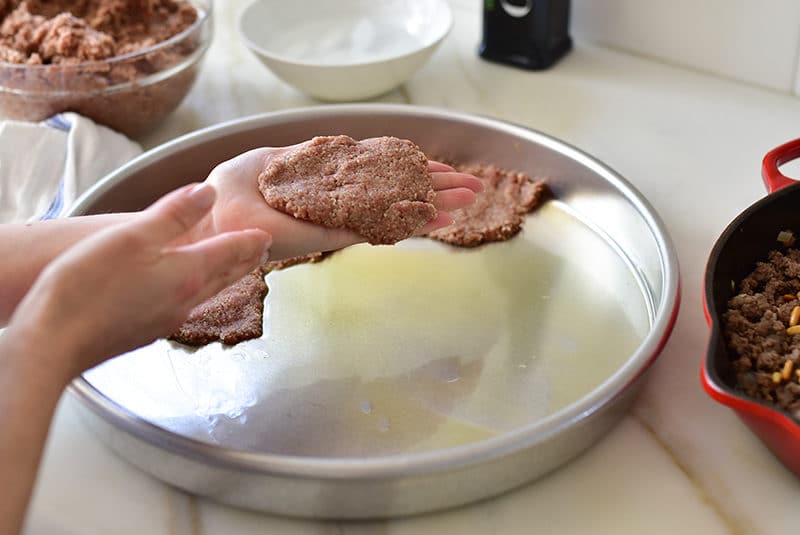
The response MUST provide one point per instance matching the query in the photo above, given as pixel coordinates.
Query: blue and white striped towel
(45, 166)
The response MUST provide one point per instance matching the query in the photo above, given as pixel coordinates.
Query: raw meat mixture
(236, 313)
(53, 58)
(379, 188)
(339, 182)
(232, 316)
(74, 31)
(498, 211)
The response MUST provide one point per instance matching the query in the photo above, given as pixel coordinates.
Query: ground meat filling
(498, 211)
(76, 31)
(758, 327)
(379, 188)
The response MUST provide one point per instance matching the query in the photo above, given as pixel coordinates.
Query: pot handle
(773, 178)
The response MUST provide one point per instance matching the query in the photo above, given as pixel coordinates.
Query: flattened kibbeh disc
(379, 188)
(236, 313)
(498, 211)
(233, 315)
(310, 258)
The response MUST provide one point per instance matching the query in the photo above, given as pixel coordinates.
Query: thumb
(177, 212)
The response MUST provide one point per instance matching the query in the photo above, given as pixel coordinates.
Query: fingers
(177, 212)
(294, 237)
(250, 164)
(453, 199)
(447, 180)
(438, 167)
(454, 190)
(442, 219)
(222, 260)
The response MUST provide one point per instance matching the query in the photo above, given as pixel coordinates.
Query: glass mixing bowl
(130, 93)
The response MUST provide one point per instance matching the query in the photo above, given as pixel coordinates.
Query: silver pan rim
(420, 463)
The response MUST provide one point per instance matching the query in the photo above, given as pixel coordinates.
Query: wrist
(30, 358)
(30, 347)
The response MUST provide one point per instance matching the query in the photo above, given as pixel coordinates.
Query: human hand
(126, 285)
(240, 205)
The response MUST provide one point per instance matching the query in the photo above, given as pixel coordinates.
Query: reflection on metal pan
(397, 380)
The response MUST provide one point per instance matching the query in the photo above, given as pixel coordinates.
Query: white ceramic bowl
(348, 49)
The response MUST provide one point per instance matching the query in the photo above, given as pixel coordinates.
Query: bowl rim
(279, 58)
(430, 461)
(710, 378)
(205, 15)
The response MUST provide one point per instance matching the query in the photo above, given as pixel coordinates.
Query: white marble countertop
(678, 463)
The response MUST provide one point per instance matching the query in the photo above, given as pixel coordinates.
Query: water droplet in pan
(384, 425)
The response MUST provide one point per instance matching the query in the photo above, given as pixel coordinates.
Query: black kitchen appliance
(531, 34)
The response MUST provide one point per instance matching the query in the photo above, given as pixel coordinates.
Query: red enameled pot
(747, 240)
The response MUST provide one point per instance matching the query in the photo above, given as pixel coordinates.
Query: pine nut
(786, 372)
(795, 329)
(794, 318)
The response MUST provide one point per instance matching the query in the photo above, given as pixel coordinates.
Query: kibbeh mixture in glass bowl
(123, 63)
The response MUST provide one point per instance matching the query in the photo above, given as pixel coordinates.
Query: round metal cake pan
(402, 482)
